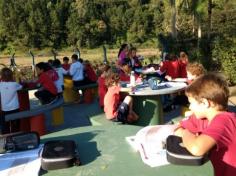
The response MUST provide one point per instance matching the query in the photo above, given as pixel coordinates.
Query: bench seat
(86, 86)
(36, 111)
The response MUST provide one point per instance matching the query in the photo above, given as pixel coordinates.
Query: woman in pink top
(123, 53)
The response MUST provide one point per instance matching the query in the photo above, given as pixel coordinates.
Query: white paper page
(26, 163)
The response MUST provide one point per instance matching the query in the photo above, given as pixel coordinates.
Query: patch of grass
(24, 58)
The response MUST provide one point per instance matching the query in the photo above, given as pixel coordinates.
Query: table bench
(89, 91)
(36, 115)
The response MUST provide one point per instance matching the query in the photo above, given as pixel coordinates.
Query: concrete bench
(34, 119)
(89, 91)
(36, 111)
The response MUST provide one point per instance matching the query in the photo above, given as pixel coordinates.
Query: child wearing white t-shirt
(9, 100)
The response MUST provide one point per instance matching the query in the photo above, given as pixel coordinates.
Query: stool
(58, 116)
(88, 96)
(69, 94)
(37, 123)
(184, 111)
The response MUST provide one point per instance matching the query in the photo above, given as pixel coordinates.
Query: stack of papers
(25, 163)
(150, 143)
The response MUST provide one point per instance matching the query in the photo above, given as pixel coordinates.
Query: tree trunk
(209, 20)
(193, 18)
(173, 19)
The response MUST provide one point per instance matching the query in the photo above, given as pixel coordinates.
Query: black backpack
(59, 154)
(178, 154)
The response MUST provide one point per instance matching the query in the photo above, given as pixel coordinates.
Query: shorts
(123, 112)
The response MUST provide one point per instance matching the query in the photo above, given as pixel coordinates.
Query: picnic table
(147, 103)
(104, 151)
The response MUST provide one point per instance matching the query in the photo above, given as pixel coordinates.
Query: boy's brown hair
(195, 69)
(6, 74)
(212, 87)
(111, 78)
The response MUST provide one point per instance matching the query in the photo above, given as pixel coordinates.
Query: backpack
(59, 154)
(178, 154)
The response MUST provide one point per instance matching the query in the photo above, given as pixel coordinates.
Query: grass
(24, 58)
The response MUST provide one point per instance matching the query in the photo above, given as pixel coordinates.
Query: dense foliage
(204, 28)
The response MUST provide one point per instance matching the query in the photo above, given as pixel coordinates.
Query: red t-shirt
(90, 73)
(47, 79)
(66, 66)
(102, 90)
(182, 69)
(223, 130)
(125, 77)
(171, 68)
(111, 102)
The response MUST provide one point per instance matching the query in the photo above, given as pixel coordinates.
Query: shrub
(224, 52)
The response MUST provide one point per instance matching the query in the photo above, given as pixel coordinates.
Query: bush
(224, 52)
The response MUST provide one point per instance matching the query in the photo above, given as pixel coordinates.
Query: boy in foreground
(211, 129)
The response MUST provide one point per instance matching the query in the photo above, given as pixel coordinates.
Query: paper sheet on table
(150, 142)
(25, 163)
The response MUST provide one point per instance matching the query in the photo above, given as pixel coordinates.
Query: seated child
(66, 64)
(90, 75)
(114, 109)
(61, 72)
(9, 100)
(126, 70)
(47, 77)
(183, 62)
(194, 70)
(102, 88)
(211, 129)
(170, 67)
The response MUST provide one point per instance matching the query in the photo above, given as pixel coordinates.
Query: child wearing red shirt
(170, 67)
(47, 77)
(183, 62)
(212, 129)
(90, 75)
(125, 71)
(115, 109)
(102, 88)
(66, 64)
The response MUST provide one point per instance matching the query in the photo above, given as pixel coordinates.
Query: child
(102, 88)
(77, 71)
(183, 62)
(9, 100)
(125, 71)
(170, 67)
(211, 129)
(47, 77)
(90, 75)
(66, 64)
(135, 62)
(61, 72)
(114, 109)
(194, 70)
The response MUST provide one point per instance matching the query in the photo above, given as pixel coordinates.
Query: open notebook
(150, 143)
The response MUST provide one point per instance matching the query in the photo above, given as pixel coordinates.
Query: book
(150, 143)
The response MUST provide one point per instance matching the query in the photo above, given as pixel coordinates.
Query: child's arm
(198, 145)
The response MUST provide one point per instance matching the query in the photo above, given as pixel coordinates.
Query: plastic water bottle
(132, 79)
